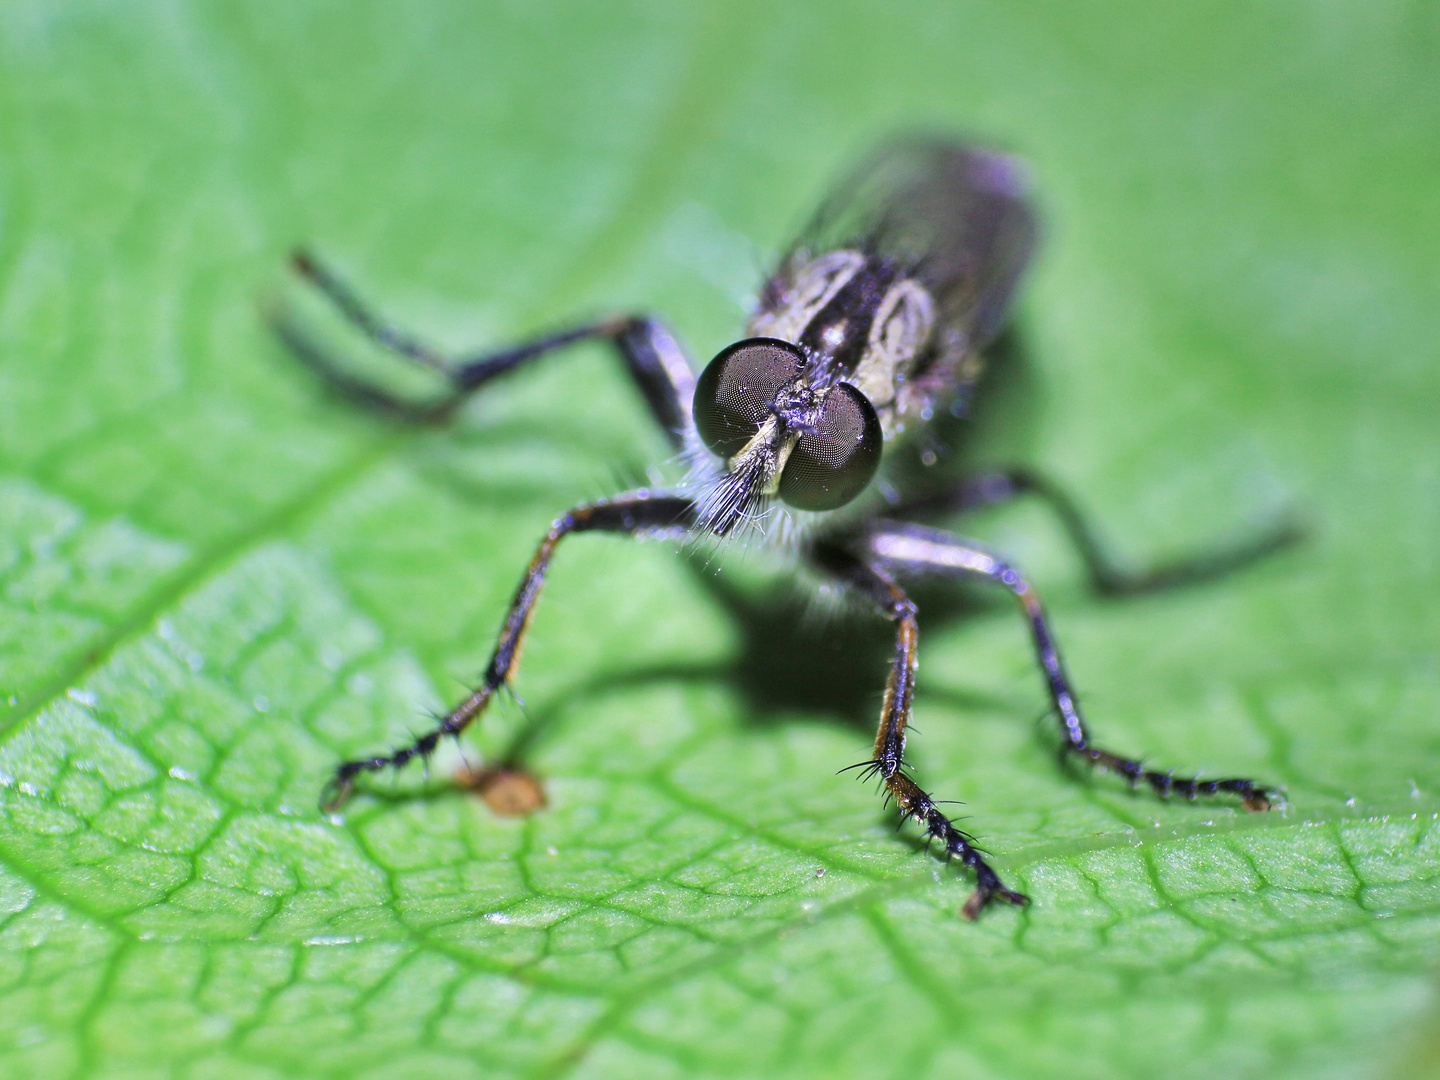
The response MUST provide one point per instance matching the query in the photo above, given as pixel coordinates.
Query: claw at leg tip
(337, 794)
(980, 898)
(973, 906)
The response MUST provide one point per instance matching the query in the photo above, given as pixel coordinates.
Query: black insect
(875, 319)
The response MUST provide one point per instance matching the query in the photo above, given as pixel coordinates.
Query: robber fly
(876, 318)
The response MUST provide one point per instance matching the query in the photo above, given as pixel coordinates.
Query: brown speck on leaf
(509, 792)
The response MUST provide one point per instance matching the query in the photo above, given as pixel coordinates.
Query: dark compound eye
(734, 395)
(831, 464)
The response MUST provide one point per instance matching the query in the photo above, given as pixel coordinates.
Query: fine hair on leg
(887, 762)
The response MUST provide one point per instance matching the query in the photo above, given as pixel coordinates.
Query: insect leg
(1107, 575)
(652, 357)
(888, 760)
(916, 549)
(637, 512)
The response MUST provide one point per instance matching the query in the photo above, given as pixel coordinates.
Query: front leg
(888, 759)
(637, 512)
(653, 358)
(919, 550)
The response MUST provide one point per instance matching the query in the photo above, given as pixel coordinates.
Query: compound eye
(832, 463)
(737, 390)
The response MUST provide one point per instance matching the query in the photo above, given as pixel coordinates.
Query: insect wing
(954, 217)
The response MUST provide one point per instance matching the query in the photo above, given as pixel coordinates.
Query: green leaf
(217, 581)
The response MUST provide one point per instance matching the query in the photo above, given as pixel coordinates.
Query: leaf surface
(215, 581)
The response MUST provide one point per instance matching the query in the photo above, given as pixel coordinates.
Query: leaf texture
(215, 581)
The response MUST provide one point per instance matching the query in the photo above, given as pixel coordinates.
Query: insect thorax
(860, 317)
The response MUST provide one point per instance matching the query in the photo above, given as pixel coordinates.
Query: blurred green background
(217, 580)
